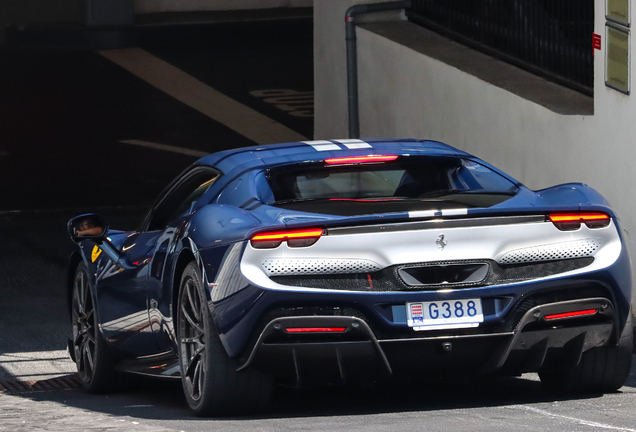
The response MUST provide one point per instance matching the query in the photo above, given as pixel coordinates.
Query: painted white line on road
(165, 147)
(203, 98)
(572, 419)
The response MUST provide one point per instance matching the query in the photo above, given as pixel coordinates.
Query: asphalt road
(501, 404)
(68, 120)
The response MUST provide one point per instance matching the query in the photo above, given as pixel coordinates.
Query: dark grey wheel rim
(192, 338)
(83, 327)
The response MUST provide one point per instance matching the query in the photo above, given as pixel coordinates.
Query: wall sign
(618, 11)
(617, 59)
(596, 42)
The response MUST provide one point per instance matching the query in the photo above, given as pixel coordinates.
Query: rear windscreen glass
(404, 179)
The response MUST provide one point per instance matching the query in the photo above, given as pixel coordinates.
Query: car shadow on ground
(163, 400)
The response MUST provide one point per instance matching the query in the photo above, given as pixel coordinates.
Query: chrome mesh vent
(552, 252)
(288, 266)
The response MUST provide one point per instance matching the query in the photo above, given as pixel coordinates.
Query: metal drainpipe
(352, 56)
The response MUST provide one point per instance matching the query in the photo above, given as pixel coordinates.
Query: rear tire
(602, 369)
(211, 384)
(94, 361)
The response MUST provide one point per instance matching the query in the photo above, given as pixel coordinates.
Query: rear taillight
(315, 329)
(297, 238)
(572, 221)
(360, 159)
(580, 313)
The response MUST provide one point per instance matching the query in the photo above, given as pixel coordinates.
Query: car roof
(307, 151)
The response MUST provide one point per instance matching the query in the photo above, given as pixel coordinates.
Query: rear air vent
(288, 266)
(551, 252)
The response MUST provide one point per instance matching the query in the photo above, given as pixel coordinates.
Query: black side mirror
(87, 227)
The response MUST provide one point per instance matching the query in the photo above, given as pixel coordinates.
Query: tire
(211, 384)
(602, 369)
(95, 363)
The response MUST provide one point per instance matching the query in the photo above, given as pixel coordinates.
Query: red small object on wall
(596, 42)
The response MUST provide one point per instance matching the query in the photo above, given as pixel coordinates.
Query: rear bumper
(356, 354)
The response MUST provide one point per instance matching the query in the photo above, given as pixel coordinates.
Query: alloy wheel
(83, 327)
(192, 338)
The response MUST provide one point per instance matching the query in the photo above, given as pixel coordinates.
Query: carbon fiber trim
(438, 223)
(388, 280)
(298, 311)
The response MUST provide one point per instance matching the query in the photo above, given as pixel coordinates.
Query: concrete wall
(152, 6)
(26, 12)
(21, 12)
(407, 94)
(330, 74)
(17, 12)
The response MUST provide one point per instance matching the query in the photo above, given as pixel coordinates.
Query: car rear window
(406, 178)
(406, 184)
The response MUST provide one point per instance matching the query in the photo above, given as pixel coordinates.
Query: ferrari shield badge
(96, 252)
(441, 243)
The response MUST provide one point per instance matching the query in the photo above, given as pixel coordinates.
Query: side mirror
(87, 227)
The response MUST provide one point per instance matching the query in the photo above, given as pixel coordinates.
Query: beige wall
(330, 74)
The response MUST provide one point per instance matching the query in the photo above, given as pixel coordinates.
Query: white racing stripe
(453, 212)
(322, 145)
(166, 147)
(424, 213)
(572, 419)
(203, 98)
(431, 213)
(353, 144)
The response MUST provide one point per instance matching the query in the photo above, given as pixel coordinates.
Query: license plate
(439, 315)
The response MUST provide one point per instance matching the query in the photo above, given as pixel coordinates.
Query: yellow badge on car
(96, 252)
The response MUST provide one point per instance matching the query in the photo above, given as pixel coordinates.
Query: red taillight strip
(571, 314)
(283, 235)
(576, 217)
(360, 159)
(314, 329)
(375, 200)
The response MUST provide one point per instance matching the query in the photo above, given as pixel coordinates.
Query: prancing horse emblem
(440, 242)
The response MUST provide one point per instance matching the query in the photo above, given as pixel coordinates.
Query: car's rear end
(409, 265)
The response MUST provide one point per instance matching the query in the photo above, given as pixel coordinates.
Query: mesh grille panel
(288, 267)
(552, 252)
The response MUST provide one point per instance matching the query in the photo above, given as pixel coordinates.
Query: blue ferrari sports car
(351, 261)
